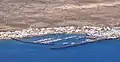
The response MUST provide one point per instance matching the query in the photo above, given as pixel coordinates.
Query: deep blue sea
(104, 51)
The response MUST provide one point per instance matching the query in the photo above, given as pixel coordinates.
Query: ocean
(103, 51)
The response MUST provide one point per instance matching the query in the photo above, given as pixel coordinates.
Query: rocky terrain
(18, 14)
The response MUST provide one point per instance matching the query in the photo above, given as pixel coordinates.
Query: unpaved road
(49, 13)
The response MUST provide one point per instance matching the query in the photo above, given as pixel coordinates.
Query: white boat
(65, 43)
(73, 43)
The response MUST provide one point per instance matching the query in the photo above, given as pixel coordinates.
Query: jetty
(32, 42)
(71, 45)
(87, 41)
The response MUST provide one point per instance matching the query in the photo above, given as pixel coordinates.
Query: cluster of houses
(30, 32)
(102, 32)
(94, 32)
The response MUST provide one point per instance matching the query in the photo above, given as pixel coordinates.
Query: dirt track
(45, 13)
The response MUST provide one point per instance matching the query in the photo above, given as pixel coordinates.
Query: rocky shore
(93, 32)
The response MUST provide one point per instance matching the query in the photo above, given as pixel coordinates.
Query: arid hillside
(49, 13)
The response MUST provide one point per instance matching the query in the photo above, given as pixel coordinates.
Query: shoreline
(33, 32)
(92, 32)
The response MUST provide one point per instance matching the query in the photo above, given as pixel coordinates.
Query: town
(92, 32)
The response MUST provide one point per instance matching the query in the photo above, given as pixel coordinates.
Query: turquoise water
(104, 51)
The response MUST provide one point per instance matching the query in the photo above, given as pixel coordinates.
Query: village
(92, 32)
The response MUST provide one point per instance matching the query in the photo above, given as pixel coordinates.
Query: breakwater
(32, 42)
(71, 45)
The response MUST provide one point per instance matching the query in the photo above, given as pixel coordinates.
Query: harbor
(93, 34)
(59, 31)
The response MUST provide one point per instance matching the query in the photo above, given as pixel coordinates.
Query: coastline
(32, 32)
(92, 32)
